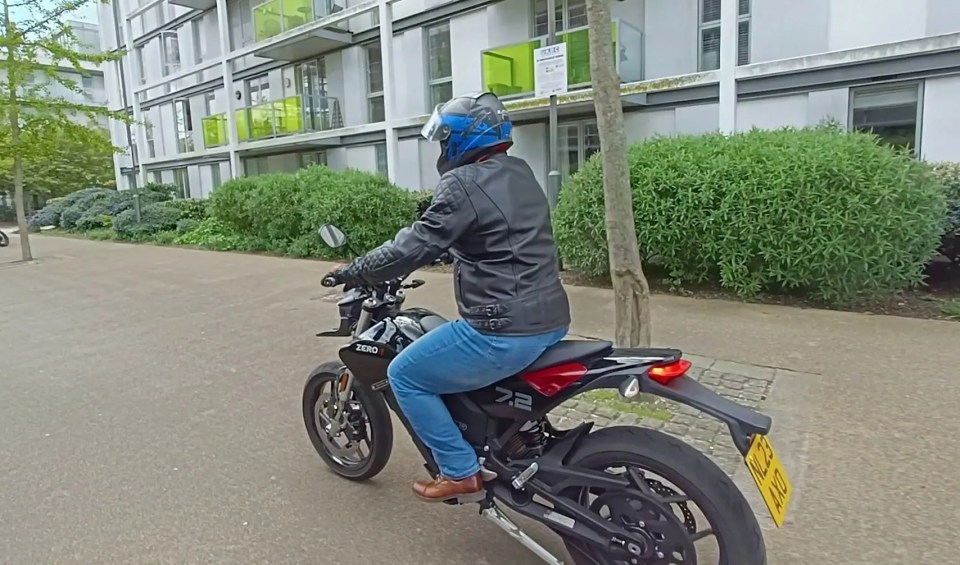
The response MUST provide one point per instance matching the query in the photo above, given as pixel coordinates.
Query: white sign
(550, 69)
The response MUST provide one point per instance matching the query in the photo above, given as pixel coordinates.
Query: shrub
(191, 209)
(213, 234)
(423, 199)
(154, 218)
(282, 212)
(7, 213)
(186, 225)
(949, 176)
(817, 211)
(49, 215)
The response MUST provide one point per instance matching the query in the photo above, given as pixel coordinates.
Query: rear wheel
(678, 476)
(355, 441)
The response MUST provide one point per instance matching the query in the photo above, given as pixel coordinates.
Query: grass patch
(951, 308)
(643, 408)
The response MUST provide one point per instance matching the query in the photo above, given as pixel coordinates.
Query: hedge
(818, 212)
(949, 176)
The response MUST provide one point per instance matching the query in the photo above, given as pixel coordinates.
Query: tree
(39, 45)
(62, 157)
(630, 288)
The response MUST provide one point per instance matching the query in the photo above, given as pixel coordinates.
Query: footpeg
(495, 515)
(525, 476)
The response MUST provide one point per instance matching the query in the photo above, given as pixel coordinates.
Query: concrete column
(389, 106)
(226, 67)
(728, 65)
(135, 74)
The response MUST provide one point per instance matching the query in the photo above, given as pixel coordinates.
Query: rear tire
(378, 415)
(738, 534)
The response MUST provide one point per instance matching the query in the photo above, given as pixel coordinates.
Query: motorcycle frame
(613, 369)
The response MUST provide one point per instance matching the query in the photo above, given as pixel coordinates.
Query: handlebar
(329, 281)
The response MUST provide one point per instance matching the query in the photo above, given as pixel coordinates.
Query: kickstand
(492, 512)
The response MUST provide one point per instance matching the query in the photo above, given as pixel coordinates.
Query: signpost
(550, 63)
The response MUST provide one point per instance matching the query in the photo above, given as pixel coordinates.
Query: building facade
(226, 88)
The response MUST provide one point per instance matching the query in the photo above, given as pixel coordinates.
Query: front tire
(735, 526)
(375, 414)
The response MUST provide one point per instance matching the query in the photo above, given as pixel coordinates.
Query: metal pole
(226, 68)
(553, 177)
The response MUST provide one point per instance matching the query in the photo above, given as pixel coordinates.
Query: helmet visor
(435, 129)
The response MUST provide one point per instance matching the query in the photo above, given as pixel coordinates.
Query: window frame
(182, 174)
(715, 24)
(185, 142)
(563, 25)
(581, 126)
(149, 139)
(437, 81)
(380, 158)
(169, 67)
(918, 85)
(374, 95)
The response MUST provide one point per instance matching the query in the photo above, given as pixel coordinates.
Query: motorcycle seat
(567, 351)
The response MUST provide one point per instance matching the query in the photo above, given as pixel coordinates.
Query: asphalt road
(150, 413)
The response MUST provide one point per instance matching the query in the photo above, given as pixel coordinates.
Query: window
(710, 34)
(143, 76)
(148, 137)
(570, 14)
(170, 51)
(578, 141)
(215, 180)
(440, 68)
(375, 83)
(184, 119)
(891, 112)
(198, 51)
(209, 103)
(131, 179)
(258, 89)
(87, 82)
(158, 177)
(313, 158)
(380, 151)
(181, 178)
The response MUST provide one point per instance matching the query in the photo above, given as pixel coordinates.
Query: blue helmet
(467, 127)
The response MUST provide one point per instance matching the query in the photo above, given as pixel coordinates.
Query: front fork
(345, 384)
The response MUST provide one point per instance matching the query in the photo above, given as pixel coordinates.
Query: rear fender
(742, 421)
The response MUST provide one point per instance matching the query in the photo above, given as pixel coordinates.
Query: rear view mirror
(332, 236)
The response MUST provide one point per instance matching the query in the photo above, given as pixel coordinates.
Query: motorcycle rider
(491, 215)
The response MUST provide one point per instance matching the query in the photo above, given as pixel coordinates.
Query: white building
(241, 87)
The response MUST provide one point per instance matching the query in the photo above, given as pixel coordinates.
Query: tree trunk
(14, 115)
(630, 288)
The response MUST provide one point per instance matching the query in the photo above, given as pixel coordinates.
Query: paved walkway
(150, 414)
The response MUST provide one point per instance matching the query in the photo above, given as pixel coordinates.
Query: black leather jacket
(494, 219)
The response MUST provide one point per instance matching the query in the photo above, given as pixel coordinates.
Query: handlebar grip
(328, 281)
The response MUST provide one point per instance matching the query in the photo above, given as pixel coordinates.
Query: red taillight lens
(551, 380)
(666, 373)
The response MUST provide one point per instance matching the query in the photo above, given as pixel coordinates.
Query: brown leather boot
(443, 489)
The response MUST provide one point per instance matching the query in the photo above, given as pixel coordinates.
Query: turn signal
(666, 373)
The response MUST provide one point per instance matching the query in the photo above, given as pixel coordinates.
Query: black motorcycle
(618, 495)
(4, 239)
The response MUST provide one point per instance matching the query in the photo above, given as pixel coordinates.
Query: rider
(492, 216)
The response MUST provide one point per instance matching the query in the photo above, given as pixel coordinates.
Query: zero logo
(518, 400)
(367, 348)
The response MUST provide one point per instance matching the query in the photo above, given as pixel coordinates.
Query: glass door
(312, 84)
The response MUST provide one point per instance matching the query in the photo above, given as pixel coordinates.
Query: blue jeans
(450, 359)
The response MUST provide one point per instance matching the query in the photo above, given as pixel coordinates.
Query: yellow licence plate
(771, 479)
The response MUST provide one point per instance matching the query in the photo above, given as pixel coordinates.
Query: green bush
(187, 225)
(7, 213)
(949, 176)
(191, 209)
(817, 211)
(282, 212)
(213, 234)
(154, 218)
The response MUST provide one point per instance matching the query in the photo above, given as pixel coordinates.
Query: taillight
(663, 374)
(551, 380)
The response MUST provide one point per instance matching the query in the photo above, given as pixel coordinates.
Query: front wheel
(679, 476)
(355, 441)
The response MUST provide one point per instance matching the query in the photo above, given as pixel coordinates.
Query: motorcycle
(597, 489)
(4, 239)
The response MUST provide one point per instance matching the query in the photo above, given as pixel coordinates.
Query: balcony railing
(291, 115)
(509, 71)
(215, 131)
(277, 16)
